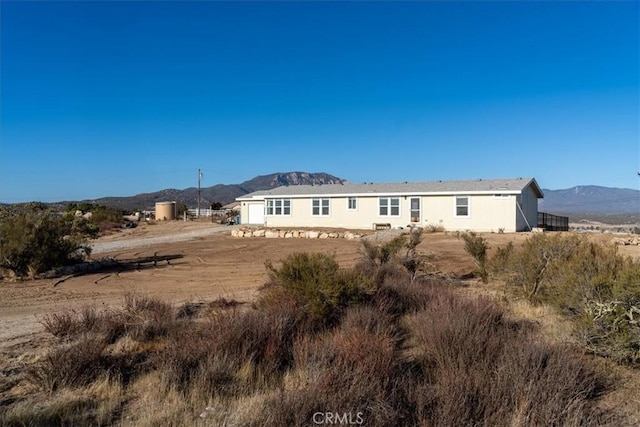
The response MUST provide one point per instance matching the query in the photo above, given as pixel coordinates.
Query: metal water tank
(165, 211)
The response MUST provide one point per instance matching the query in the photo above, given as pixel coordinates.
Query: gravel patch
(139, 242)
(384, 235)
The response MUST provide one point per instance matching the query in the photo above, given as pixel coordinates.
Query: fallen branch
(103, 277)
(64, 279)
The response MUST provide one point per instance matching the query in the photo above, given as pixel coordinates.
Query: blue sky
(118, 98)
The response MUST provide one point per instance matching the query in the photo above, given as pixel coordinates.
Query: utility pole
(199, 178)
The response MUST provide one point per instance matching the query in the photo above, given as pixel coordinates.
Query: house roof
(480, 186)
(231, 205)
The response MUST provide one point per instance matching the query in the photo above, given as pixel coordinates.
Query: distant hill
(592, 202)
(218, 193)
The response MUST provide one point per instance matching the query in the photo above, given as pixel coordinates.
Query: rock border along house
(479, 205)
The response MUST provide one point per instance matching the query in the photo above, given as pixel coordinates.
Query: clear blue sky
(119, 98)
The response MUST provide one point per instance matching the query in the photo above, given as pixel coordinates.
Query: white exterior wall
(529, 203)
(339, 216)
(486, 213)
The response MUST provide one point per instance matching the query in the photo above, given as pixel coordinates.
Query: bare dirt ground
(209, 264)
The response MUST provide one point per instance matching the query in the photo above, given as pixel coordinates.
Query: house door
(256, 213)
(415, 209)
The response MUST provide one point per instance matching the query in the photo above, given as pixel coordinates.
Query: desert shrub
(317, 284)
(69, 365)
(102, 217)
(433, 228)
(389, 260)
(477, 246)
(612, 329)
(71, 323)
(590, 282)
(147, 318)
(485, 369)
(413, 262)
(231, 354)
(380, 254)
(189, 310)
(397, 298)
(539, 259)
(142, 318)
(501, 259)
(32, 242)
(63, 324)
(350, 370)
(224, 303)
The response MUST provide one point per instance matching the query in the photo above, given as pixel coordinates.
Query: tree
(182, 209)
(35, 241)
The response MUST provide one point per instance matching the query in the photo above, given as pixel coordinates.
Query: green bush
(500, 261)
(477, 246)
(317, 284)
(590, 282)
(35, 241)
(612, 329)
(102, 217)
(381, 254)
(568, 270)
(385, 260)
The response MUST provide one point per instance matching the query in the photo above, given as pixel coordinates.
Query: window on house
(279, 207)
(320, 207)
(415, 209)
(352, 203)
(389, 206)
(462, 206)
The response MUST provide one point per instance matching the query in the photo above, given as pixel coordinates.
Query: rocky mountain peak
(291, 178)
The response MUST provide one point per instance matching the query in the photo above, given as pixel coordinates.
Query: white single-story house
(480, 205)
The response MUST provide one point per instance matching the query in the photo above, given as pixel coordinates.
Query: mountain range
(584, 202)
(593, 202)
(221, 193)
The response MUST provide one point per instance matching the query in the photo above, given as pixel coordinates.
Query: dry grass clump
(70, 365)
(397, 297)
(484, 367)
(351, 369)
(142, 318)
(71, 323)
(98, 404)
(230, 354)
(147, 318)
